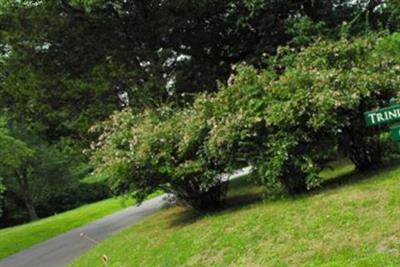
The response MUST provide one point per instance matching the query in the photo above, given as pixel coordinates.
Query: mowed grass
(21, 237)
(354, 220)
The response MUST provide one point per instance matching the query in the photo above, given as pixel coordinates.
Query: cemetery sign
(383, 116)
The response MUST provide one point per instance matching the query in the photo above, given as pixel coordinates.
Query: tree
(98, 54)
(12, 153)
(2, 189)
(31, 169)
(69, 64)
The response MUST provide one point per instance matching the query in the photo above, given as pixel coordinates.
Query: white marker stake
(104, 258)
(84, 235)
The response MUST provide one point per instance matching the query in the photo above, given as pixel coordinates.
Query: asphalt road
(63, 249)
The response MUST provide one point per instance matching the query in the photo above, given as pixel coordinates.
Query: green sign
(385, 116)
(382, 116)
(395, 132)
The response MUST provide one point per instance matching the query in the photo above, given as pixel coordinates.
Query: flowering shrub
(317, 108)
(289, 126)
(239, 132)
(161, 150)
(286, 125)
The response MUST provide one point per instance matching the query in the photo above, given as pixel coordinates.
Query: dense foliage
(318, 104)
(12, 152)
(39, 178)
(162, 150)
(66, 65)
(287, 125)
(294, 123)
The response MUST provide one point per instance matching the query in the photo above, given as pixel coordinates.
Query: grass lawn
(354, 220)
(18, 238)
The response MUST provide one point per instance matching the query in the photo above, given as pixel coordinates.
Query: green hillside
(353, 221)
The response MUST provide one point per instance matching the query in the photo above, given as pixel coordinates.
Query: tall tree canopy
(70, 63)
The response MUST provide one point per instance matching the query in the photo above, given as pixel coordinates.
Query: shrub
(162, 150)
(289, 126)
(239, 133)
(317, 108)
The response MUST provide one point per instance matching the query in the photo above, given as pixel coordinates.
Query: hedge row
(287, 121)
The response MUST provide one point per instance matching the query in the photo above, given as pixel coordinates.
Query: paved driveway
(61, 250)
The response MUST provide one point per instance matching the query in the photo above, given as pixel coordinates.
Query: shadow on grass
(242, 193)
(356, 176)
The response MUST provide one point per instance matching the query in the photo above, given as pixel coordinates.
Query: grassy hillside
(353, 221)
(17, 238)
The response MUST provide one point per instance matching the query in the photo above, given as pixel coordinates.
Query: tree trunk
(31, 209)
(22, 178)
